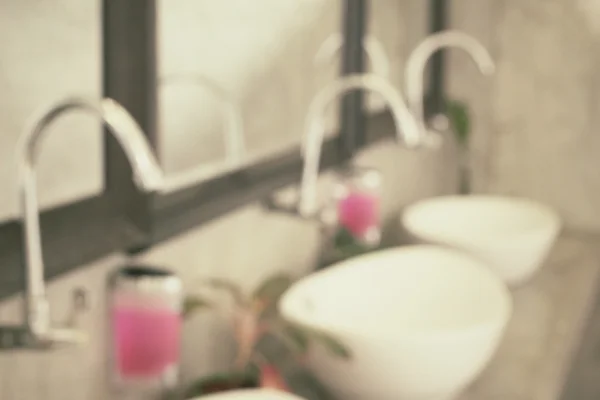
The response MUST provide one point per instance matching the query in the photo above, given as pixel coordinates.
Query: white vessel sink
(421, 322)
(250, 394)
(512, 235)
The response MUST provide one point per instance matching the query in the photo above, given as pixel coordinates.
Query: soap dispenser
(351, 220)
(144, 310)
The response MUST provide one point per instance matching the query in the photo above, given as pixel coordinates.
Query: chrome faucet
(37, 331)
(407, 130)
(380, 63)
(415, 65)
(234, 139)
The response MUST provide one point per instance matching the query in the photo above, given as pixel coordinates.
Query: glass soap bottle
(145, 313)
(351, 220)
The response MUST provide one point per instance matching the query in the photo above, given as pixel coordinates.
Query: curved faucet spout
(415, 65)
(407, 130)
(146, 172)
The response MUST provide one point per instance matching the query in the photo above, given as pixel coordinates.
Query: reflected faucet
(234, 139)
(407, 130)
(380, 63)
(37, 331)
(415, 65)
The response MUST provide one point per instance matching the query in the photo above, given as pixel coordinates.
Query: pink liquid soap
(359, 212)
(147, 340)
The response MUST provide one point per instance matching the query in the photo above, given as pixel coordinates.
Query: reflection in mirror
(33, 75)
(261, 54)
(376, 56)
(378, 62)
(233, 137)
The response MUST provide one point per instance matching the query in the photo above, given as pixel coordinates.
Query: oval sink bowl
(512, 235)
(250, 394)
(421, 322)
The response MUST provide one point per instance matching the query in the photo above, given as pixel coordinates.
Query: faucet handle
(80, 304)
(13, 337)
(68, 333)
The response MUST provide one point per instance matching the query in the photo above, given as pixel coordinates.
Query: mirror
(262, 56)
(32, 77)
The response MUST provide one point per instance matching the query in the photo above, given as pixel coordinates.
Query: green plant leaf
(458, 114)
(193, 303)
(273, 288)
(336, 347)
(343, 238)
(345, 245)
(300, 338)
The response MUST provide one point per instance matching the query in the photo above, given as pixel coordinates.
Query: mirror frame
(179, 212)
(122, 218)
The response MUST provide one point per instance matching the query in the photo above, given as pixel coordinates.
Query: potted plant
(252, 317)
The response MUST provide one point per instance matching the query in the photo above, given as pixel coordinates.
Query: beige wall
(534, 132)
(231, 246)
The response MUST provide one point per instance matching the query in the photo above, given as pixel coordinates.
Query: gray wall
(538, 117)
(534, 135)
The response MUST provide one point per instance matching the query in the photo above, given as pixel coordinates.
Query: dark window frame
(122, 218)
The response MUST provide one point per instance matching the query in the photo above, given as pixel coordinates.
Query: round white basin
(512, 235)
(421, 322)
(250, 394)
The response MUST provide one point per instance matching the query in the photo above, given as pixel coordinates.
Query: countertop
(544, 333)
